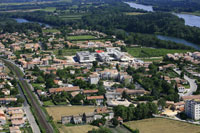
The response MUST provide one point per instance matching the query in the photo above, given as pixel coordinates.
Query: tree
(40, 79)
(162, 103)
(182, 75)
(101, 130)
(60, 52)
(115, 122)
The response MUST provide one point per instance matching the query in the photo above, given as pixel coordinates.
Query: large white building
(192, 109)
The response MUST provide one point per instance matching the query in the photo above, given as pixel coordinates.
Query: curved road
(193, 85)
(40, 114)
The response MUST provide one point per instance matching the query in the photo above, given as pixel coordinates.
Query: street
(193, 85)
(29, 115)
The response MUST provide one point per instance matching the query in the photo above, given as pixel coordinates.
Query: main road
(38, 111)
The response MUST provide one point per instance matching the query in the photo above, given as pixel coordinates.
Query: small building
(98, 99)
(94, 79)
(14, 129)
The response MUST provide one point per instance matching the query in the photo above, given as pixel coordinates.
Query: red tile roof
(67, 89)
(90, 91)
(95, 97)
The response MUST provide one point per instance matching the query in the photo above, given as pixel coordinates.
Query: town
(92, 82)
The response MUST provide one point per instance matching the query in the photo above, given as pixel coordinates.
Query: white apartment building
(192, 109)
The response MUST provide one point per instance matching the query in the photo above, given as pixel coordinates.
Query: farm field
(57, 111)
(152, 52)
(76, 129)
(160, 125)
(81, 37)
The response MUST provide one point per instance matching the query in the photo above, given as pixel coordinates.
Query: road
(29, 115)
(193, 85)
(39, 113)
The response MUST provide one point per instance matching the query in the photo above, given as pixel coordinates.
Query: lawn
(81, 37)
(160, 125)
(152, 52)
(76, 129)
(57, 111)
(48, 103)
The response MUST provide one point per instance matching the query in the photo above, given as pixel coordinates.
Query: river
(178, 40)
(140, 6)
(21, 20)
(190, 20)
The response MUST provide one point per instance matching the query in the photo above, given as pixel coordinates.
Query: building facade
(192, 109)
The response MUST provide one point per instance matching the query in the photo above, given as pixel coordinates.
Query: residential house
(94, 78)
(7, 100)
(98, 99)
(66, 89)
(90, 92)
(14, 129)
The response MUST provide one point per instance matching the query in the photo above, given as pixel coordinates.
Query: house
(101, 110)
(77, 119)
(109, 74)
(14, 129)
(94, 79)
(19, 123)
(98, 99)
(7, 100)
(17, 117)
(90, 92)
(88, 118)
(66, 89)
(181, 88)
(191, 97)
(120, 120)
(66, 119)
(2, 118)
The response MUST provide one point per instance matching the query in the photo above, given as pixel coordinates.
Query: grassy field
(50, 30)
(151, 52)
(82, 37)
(49, 9)
(159, 125)
(71, 17)
(76, 129)
(58, 111)
(66, 52)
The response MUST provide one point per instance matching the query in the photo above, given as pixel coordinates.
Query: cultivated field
(159, 125)
(57, 112)
(76, 129)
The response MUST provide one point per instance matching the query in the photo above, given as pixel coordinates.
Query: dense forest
(172, 5)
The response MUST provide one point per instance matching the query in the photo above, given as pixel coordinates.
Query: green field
(160, 125)
(50, 30)
(71, 17)
(152, 52)
(81, 37)
(67, 52)
(49, 9)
